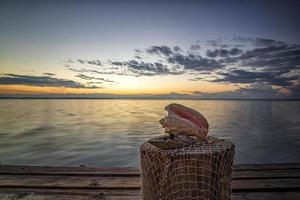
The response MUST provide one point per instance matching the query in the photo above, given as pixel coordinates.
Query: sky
(150, 49)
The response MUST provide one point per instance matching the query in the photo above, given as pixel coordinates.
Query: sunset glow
(144, 48)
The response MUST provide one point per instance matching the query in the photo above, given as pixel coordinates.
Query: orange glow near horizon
(125, 85)
(121, 90)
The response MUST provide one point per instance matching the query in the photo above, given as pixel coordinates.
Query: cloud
(178, 49)
(263, 61)
(42, 81)
(242, 76)
(94, 62)
(216, 43)
(138, 51)
(82, 76)
(117, 63)
(149, 68)
(272, 58)
(195, 47)
(196, 79)
(184, 60)
(95, 82)
(269, 55)
(48, 74)
(80, 61)
(107, 71)
(172, 61)
(258, 42)
(239, 60)
(254, 91)
(90, 62)
(86, 77)
(164, 50)
(195, 62)
(223, 52)
(293, 90)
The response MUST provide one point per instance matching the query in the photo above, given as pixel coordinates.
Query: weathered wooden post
(197, 170)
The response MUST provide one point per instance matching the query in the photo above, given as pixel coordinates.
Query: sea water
(108, 132)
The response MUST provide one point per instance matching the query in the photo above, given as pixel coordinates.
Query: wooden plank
(13, 181)
(261, 185)
(244, 174)
(272, 182)
(42, 197)
(241, 171)
(126, 195)
(78, 194)
(19, 169)
(265, 174)
(278, 166)
(64, 197)
(69, 182)
(266, 196)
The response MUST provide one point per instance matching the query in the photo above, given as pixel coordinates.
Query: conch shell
(183, 120)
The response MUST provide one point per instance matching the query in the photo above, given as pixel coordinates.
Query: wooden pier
(271, 181)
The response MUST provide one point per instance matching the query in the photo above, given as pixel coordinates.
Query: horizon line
(149, 98)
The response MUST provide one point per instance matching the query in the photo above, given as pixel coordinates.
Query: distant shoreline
(91, 98)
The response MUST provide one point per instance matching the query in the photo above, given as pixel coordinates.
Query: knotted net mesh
(200, 171)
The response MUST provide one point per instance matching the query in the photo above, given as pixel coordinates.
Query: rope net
(199, 171)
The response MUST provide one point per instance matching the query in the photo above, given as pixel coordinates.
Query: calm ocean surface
(108, 133)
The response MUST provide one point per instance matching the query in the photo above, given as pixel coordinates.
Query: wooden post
(200, 171)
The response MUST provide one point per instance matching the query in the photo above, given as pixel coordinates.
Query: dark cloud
(138, 68)
(194, 62)
(138, 51)
(274, 58)
(82, 76)
(195, 47)
(272, 54)
(174, 61)
(164, 50)
(94, 62)
(148, 68)
(294, 90)
(259, 91)
(242, 76)
(177, 49)
(90, 62)
(42, 81)
(267, 42)
(48, 74)
(258, 42)
(86, 77)
(110, 71)
(98, 83)
(95, 82)
(196, 79)
(80, 61)
(117, 63)
(254, 91)
(186, 61)
(239, 60)
(223, 52)
(216, 43)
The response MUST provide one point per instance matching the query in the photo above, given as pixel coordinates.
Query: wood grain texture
(33, 195)
(270, 182)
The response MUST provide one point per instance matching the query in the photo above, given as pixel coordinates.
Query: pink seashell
(184, 120)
